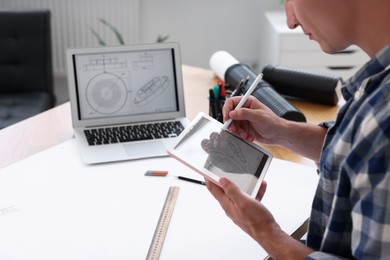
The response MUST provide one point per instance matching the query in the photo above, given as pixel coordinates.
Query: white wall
(200, 26)
(205, 26)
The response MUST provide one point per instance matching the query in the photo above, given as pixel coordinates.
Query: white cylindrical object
(220, 61)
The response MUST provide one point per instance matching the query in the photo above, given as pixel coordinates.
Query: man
(351, 210)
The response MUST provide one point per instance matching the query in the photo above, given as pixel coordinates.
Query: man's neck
(372, 26)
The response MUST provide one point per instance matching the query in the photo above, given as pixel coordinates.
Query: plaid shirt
(351, 209)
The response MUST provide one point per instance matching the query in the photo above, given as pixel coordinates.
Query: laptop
(127, 102)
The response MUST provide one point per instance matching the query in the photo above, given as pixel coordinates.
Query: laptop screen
(125, 83)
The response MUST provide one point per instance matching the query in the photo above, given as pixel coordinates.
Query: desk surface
(84, 220)
(54, 126)
(53, 206)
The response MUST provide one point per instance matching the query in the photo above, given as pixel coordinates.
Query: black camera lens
(310, 86)
(263, 92)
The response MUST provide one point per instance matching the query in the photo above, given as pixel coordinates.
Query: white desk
(48, 210)
(53, 206)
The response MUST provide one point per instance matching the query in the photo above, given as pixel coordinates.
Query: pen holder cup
(215, 109)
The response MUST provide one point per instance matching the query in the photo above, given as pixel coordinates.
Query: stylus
(244, 99)
(191, 180)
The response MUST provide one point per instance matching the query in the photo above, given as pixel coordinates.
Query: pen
(212, 103)
(219, 96)
(222, 90)
(216, 92)
(191, 180)
(238, 89)
(244, 99)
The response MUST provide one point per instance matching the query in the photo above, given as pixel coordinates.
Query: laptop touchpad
(145, 149)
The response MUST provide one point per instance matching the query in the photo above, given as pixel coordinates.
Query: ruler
(163, 223)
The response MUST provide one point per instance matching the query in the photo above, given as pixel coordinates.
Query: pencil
(191, 180)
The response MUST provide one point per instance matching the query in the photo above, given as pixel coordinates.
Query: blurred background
(201, 27)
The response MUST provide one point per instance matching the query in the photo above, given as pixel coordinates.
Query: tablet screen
(205, 145)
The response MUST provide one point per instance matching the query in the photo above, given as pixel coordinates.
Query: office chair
(26, 73)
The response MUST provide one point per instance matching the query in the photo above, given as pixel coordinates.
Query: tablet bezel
(175, 153)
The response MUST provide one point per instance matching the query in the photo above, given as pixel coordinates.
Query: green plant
(118, 35)
(162, 38)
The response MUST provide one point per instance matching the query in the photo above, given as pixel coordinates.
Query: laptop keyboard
(120, 134)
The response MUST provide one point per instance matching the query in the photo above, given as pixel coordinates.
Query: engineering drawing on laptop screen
(125, 83)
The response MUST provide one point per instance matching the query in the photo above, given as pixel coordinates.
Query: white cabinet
(291, 48)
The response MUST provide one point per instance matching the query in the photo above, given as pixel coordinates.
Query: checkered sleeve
(368, 168)
(364, 185)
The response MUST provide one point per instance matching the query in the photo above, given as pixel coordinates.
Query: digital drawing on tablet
(214, 152)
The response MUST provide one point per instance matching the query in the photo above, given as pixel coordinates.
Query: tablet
(214, 153)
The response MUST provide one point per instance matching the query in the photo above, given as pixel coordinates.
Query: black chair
(26, 73)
